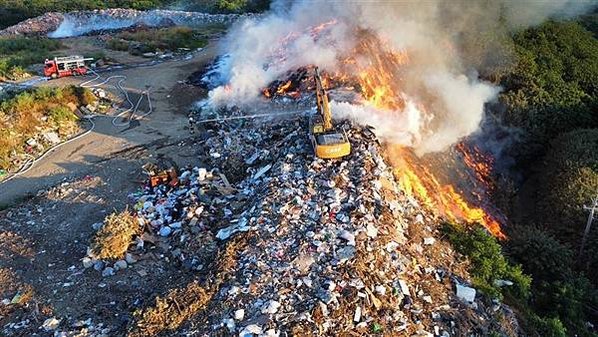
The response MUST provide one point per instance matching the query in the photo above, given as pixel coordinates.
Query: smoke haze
(443, 98)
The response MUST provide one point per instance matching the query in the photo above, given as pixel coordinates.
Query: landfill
(77, 23)
(332, 247)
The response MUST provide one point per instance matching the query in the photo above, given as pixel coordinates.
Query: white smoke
(444, 101)
(82, 22)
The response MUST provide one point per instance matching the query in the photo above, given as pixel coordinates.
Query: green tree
(553, 87)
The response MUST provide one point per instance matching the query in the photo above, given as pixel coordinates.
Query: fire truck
(65, 66)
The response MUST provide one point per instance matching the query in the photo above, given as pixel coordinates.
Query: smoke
(83, 22)
(443, 99)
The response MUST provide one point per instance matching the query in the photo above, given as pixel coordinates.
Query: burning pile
(373, 70)
(316, 247)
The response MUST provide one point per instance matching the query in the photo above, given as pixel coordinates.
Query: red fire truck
(65, 66)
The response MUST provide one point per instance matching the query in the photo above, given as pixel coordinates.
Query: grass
(16, 54)
(115, 237)
(150, 40)
(29, 113)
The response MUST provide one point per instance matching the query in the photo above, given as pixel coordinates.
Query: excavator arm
(322, 102)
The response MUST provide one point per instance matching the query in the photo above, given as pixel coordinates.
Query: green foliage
(558, 291)
(541, 255)
(488, 264)
(570, 175)
(62, 114)
(225, 6)
(553, 87)
(546, 327)
(144, 41)
(231, 5)
(18, 53)
(33, 111)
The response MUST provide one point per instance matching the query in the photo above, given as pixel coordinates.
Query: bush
(546, 327)
(540, 254)
(117, 44)
(487, 262)
(570, 180)
(16, 54)
(558, 291)
(150, 40)
(22, 116)
(62, 114)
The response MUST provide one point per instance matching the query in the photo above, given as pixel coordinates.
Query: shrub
(118, 44)
(115, 236)
(546, 327)
(16, 54)
(145, 41)
(488, 264)
(21, 116)
(62, 114)
(570, 180)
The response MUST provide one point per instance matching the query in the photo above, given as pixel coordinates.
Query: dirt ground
(46, 232)
(165, 127)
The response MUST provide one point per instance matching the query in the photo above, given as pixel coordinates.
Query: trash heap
(333, 246)
(77, 23)
(40, 25)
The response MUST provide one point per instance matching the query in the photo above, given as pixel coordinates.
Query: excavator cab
(328, 143)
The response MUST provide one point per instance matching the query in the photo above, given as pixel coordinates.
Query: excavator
(328, 143)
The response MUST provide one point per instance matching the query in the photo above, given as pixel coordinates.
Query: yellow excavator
(328, 143)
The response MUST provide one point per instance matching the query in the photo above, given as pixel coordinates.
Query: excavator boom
(328, 143)
(322, 102)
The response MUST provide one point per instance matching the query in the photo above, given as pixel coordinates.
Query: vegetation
(553, 87)
(551, 95)
(489, 264)
(144, 41)
(16, 54)
(116, 235)
(226, 6)
(28, 113)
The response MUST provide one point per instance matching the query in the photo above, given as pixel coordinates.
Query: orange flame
(417, 181)
(284, 87)
(377, 71)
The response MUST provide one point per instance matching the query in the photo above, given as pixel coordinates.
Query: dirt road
(43, 240)
(164, 128)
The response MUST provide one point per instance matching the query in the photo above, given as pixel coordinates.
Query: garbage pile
(334, 247)
(40, 25)
(58, 25)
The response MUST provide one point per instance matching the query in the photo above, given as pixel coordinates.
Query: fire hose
(87, 84)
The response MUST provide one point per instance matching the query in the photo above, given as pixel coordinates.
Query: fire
(417, 181)
(374, 68)
(283, 88)
(378, 76)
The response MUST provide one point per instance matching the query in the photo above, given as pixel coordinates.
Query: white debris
(271, 307)
(250, 330)
(239, 314)
(50, 324)
(466, 294)
(429, 241)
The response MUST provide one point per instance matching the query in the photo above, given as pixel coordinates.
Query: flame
(417, 181)
(374, 67)
(284, 87)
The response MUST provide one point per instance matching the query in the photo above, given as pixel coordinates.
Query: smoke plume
(443, 99)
